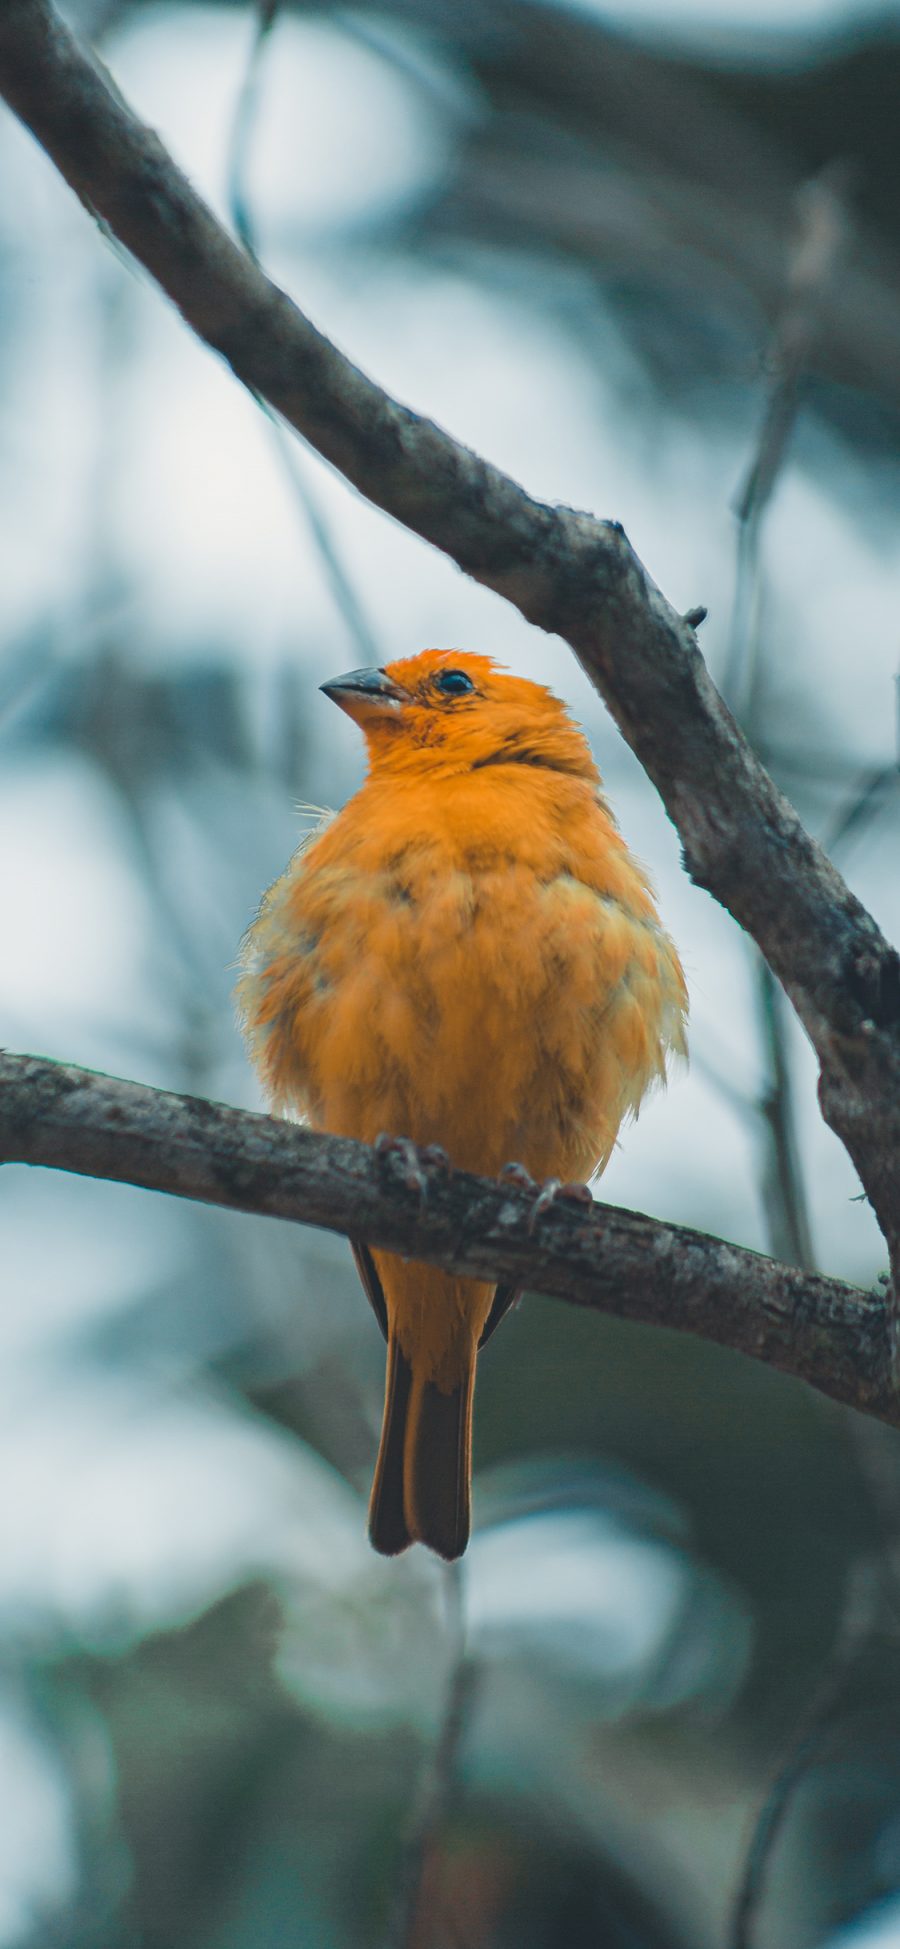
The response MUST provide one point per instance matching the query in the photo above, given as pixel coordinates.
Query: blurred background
(645, 257)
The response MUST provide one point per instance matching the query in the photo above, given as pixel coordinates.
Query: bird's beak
(365, 693)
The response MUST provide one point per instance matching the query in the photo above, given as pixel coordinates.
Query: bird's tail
(423, 1476)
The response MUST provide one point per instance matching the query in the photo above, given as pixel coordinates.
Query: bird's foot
(410, 1159)
(414, 1159)
(550, 1193)
(516, 1174)
(547, 1194)
(436, 1156)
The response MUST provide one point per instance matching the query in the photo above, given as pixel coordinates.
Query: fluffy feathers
(467, 954)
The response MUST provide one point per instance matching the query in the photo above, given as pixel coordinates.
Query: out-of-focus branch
(243, 125)
(814, 253)
(820, 230)
(597, 1256)
(346, 597)
(875, 790)
(783, 1187)
(567, 572)
(854, 1624)
(817, 248)
(411, 1896)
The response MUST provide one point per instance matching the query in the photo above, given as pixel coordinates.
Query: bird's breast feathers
(478, 968)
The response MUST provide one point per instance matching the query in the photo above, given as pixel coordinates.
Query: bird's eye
(454, 683)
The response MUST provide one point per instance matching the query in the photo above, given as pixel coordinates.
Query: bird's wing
(372, 1286)
(504, 1298)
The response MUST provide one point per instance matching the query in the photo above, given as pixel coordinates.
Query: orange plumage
(468, 955)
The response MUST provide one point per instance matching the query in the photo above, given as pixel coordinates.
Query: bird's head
(454, 711)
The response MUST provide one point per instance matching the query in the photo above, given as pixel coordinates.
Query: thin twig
(343, 591)
(244, 124)
(813, 256)
(345, 596)
(784, 1190)
(811, 265)
(874, 790)
(786, 1198)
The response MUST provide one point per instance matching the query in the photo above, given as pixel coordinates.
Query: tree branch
(567, 572)
(612, 1261)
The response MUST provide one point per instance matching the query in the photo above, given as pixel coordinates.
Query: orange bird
(468, 955)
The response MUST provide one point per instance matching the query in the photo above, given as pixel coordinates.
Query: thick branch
(566, 571)
(613, 1261)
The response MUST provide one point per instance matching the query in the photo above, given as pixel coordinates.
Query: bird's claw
(547, 1197)
(578, 1193)
(412, 1160)
(515, 1174)
(436, 1156)
(409, 1158)
(547, 1194)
